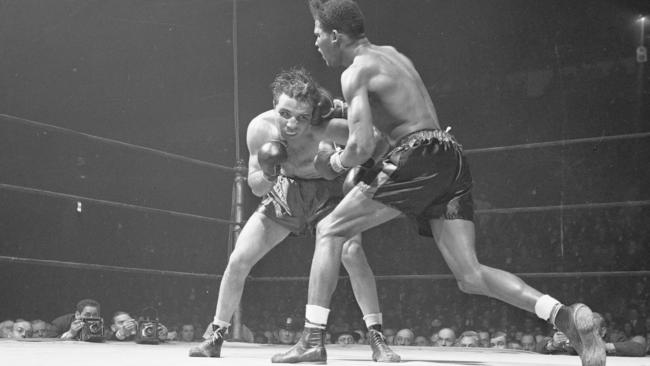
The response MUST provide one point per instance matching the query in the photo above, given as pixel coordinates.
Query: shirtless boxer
(424, 176)
(282, 143)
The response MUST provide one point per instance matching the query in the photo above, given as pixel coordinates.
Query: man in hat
(287, 332)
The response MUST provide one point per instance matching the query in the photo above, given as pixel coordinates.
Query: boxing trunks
(426, 176)
(298, 204)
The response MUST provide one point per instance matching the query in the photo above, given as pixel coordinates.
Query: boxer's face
(295, 116)
(325, 45)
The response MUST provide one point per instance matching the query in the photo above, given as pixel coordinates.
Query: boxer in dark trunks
(424, 176)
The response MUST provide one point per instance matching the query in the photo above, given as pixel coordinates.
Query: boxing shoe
(310, 348)
(211, 347)
(577, 323)
(380, 350)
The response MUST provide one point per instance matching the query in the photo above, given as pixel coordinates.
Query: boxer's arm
(256, 135)
(335, 130)
(361, 139)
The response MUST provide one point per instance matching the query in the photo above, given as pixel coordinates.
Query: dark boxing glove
(366, 172)
(270, 156)
(323, 164)
(329, 108)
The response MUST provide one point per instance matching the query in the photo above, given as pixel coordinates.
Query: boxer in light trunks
(282, 143)
(424, 176)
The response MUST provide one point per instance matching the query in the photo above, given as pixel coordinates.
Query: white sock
(545, 307)
(372, 319)
(316, 316)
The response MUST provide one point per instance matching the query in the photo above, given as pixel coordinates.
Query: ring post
(238, 218)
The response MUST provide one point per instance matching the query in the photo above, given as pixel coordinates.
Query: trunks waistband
(425, 137)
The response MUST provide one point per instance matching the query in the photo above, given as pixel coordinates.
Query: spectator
(346, 337)
(22, 329)
(528, 342)
(187, 333)
(123, 327)
(637, 327)
(68, 326)
(421, 341)
(514, 345)
(446, 338)
(389, 333)
(172, 333)
(362, 337)
(287, 332)
(498, 341)
(484, 339)
(6, 328)
(404, 337)
(42, 329)
(468, 339)
(635, 347)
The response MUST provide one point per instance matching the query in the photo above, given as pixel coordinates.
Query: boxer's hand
(326, 164)
(329, 108)
(365, 172)
(270, 157)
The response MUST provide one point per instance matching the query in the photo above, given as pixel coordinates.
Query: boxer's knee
(352, 253)
(331, 228)
(472, 282)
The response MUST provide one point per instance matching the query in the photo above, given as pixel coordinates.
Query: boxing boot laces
(380, 350)
(577, 323)
(210, 347)
(310, 348)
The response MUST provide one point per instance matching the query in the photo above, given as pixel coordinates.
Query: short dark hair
(343, 15)
(87, 302)
(118, 313)
(296, 83)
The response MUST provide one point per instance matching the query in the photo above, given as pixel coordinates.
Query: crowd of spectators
(423, 312)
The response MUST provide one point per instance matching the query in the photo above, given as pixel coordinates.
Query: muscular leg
(361, 276)
(365, 291)
(455, 239)
(258, 236)
(353, 215)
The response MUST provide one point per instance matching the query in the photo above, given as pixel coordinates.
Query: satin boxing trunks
(298, 204)
(426, 176)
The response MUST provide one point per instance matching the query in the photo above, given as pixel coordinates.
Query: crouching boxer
(282, 143)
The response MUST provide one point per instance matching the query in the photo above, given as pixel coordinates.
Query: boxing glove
(323, 164)
(329, 108)
(270, 157)
(366, 172)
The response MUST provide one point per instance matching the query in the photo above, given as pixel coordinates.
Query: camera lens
(148, 331)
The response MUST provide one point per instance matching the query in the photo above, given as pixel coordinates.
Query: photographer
(635, 347)
(70, 326)
(124, 327)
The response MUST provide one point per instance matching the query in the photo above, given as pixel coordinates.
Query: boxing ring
(236, 353)
(246, 354)
(55, 352)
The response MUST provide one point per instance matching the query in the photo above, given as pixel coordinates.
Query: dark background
(160, 74)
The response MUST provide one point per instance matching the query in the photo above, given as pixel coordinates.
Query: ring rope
(160, 272)
(576, 206)
(535, 145)
(451, 276)
(116, 142)
(91, 266)
(111, 203)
